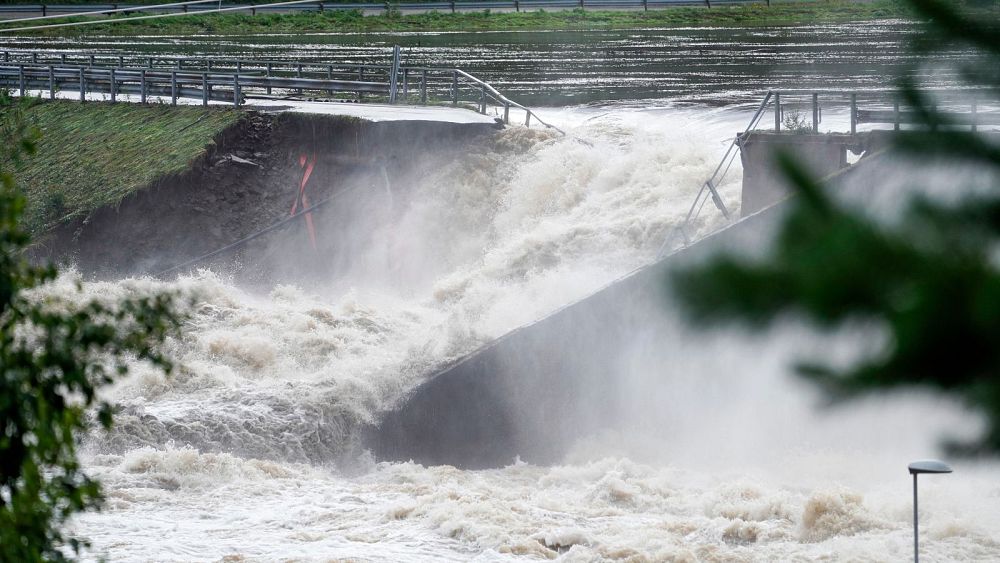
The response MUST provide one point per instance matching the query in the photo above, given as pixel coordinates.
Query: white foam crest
(492, 241)
(489, 242)
(608, 509)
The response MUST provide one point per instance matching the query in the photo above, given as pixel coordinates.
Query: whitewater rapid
(249, 451)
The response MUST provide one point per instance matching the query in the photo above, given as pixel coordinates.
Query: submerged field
(821, 11)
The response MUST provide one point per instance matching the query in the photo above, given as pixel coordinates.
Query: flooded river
(734, 461)
(718, 66)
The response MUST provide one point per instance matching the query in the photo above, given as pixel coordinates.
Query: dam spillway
(255, 447)
(534, 392)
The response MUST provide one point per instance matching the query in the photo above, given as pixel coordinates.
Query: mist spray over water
(717, 448)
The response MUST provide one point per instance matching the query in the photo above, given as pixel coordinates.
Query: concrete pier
(823, 154)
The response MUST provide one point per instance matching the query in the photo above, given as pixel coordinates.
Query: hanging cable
(258, 234)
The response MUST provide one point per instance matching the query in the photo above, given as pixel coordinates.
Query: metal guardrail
(961, 108)
(233, 80)
(46, 10)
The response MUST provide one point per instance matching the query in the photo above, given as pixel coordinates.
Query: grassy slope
(352, 21)
(94, 154)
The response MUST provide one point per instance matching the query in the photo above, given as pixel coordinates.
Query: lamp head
(929, 466)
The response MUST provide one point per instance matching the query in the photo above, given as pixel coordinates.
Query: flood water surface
(246, 452)
(559, 68)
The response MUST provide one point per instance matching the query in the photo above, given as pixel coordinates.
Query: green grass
(817, 11)
(94, 154)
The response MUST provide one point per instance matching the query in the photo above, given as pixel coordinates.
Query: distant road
(15, 11)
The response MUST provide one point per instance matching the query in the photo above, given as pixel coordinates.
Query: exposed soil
(249, 180)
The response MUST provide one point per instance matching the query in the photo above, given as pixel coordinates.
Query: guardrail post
(974, 114)
(121, 61)
(329, 76)
(111, 84)
(708, 4)
(204, 88)
(20, 79)
(777, 112)
(142, 86)
(6, 56)
(423, 86)
(506, 113)
(406, 84)
(645, 6)
(815, 112)
(44, 11)
(453, 6)
(482, 100)
(149, 62)
(361, 78)
(83, 87)
(91, 61)
(236, 90)
(895, 119)
(527, 118)
(62, 58)
(517, 5)
(34, 58)
(52, 83)
(454, 87)
(173, 87)
(269, 69)
(854, 113)
(298, 73)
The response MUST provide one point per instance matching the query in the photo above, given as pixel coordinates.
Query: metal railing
(963, 108)
(234, 80)
(164, 83)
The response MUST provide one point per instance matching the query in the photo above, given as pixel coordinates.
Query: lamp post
(916, 468)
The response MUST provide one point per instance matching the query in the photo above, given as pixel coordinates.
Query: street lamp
(916, 468)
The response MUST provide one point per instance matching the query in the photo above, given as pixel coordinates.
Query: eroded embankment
(254, 174)
(94, 154)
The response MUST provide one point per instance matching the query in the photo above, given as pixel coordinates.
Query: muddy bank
(256, 174)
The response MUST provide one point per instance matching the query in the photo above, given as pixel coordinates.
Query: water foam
(491, 241)
(241, 454)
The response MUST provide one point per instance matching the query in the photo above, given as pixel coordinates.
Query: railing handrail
(504, 99)
(251, 76)
(773, 97)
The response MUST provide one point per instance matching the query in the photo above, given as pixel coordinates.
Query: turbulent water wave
(248, 451)
(180, 505)
(489, 242)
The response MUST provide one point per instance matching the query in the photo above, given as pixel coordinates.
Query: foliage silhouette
(54, 356)
(932, 280)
